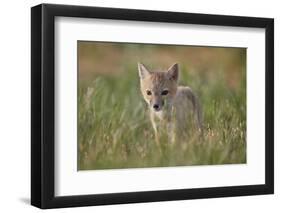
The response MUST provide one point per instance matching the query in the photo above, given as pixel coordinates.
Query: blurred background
(114, 130)
(97, 58)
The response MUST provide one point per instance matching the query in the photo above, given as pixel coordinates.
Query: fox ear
(173, 72)
(143, 71)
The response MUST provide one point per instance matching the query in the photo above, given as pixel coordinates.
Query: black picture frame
(43, 105)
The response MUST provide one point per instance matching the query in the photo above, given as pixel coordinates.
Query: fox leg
(171, 128)
(171, 132)
(154, 125)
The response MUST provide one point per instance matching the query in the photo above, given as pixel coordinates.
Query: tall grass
(114, 130)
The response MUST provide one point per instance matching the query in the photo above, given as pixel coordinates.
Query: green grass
(114, 130)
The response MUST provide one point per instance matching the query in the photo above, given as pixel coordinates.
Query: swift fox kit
(172, 107)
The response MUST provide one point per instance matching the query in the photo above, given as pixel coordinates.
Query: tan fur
(169, 112)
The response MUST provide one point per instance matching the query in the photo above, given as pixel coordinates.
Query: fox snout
(157, 104)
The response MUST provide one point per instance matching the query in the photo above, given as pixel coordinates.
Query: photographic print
(159, 105)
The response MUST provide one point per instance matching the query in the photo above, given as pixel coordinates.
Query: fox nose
(155, 106)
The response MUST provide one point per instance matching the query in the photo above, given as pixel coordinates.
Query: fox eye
(148, 92)
(164, 92)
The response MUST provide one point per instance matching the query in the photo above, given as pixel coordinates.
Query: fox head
(158, 88)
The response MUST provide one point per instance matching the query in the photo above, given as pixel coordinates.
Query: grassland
(114, 130)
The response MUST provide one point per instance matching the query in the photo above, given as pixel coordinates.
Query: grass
(114, 130)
